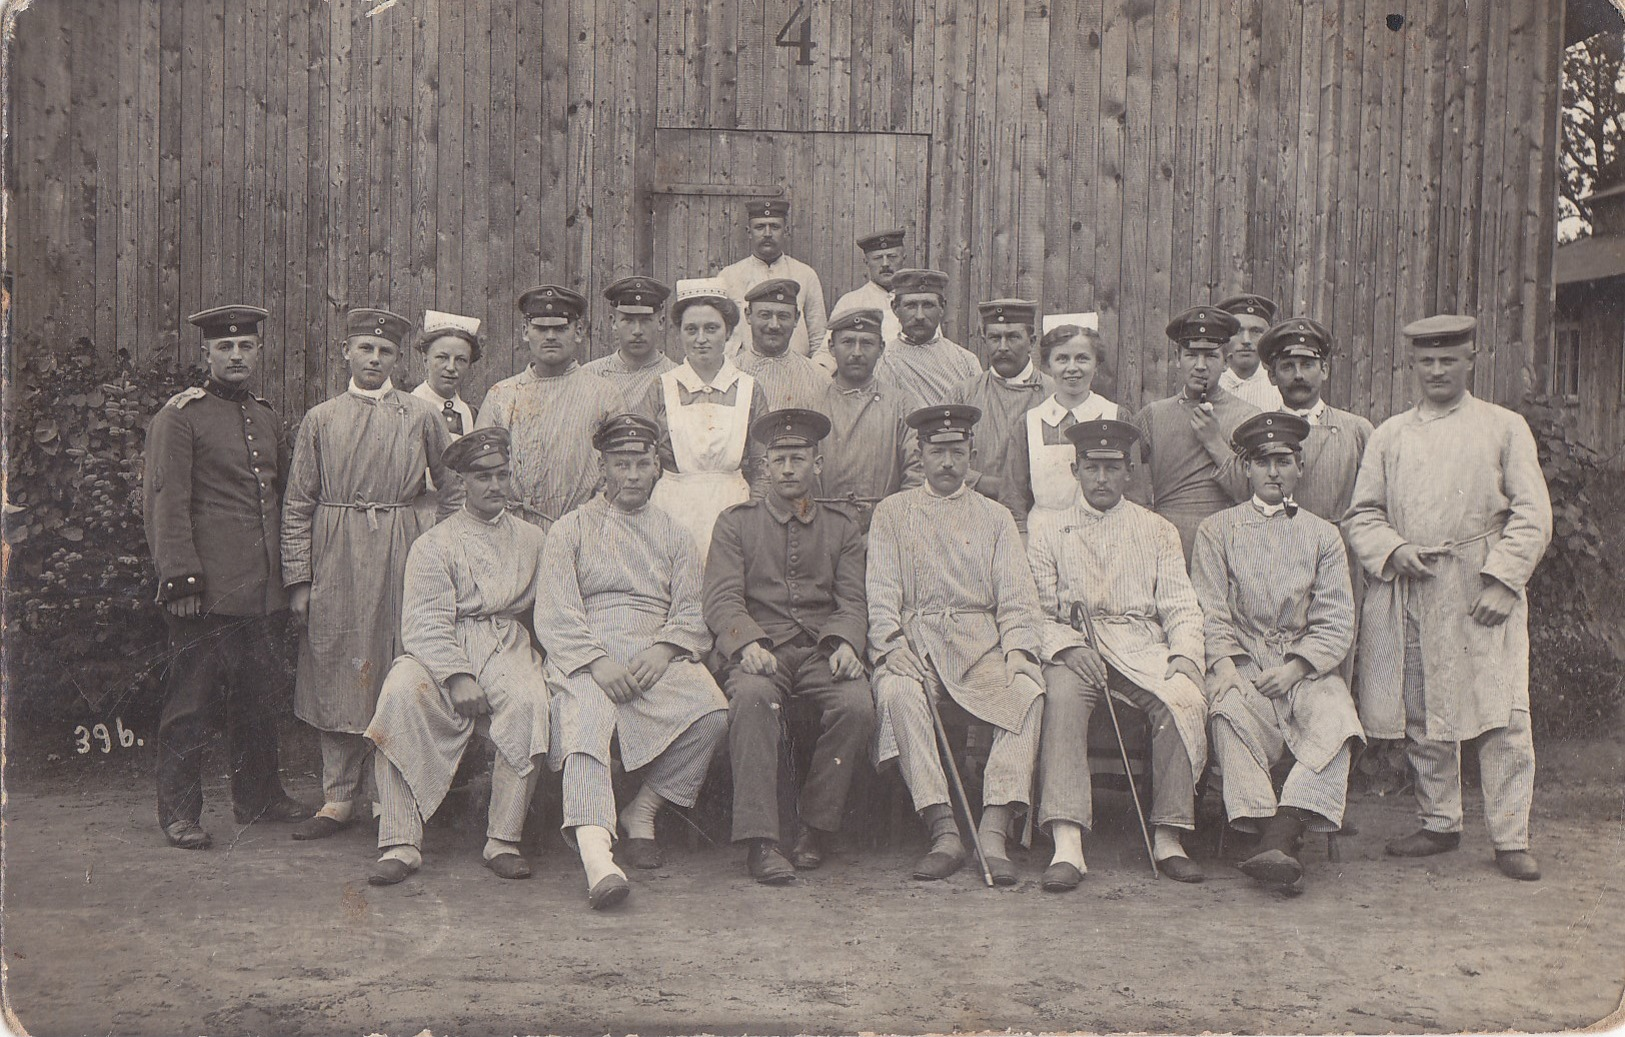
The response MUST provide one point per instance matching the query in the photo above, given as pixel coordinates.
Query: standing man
(953, 614)
(1297, 353)
(1124, 565)
(551, 408)
(1004, 393)
(920, 360)
(216, 463)
(784, 598)
(871, 452)
(1190, 470)
(1278, 622)
(788, 379)
(1244, 374)
(469, 667)
(768, 221)
(637, 323)
(354, 508)
(449, 344)
(1450, 517)
(619, 613)
(882, 258)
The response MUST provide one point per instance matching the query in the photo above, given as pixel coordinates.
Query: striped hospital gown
(614, 583)
(789, 380)
(555, 467)
(631, 382)
(929, 370)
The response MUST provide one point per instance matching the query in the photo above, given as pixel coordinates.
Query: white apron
(1054, 486)
(708, 442)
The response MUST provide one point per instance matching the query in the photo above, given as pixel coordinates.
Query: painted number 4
(802, 40)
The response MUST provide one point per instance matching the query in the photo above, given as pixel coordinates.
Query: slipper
(509, 866)
(1003, 871)
(937, 865)
(388, 871)
(641, 853)
(1061, 877)
(188, 835)
(319, 827)
(1273, 867)
(610, 890)
(1181, 869)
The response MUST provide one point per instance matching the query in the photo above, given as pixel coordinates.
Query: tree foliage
(1593, 127)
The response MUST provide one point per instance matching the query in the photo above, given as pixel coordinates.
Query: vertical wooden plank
(530, 122)
(1389, 266)
(321, 304)
(1083, 72)
(872, 52)
(1166, 117)
(922, 39)
(265, 196)
(500, 288)
(643, 128)
(100, 142)
(1277, 99)
(450, 198)
(1361, 338)
(214, 213)
(401, 286)
(1471, 187)
(1234, 249)
(1515, 347)
(1286, 145)
(1137, 316)
(1216, 150)
(901, 44)
(697, 60)
(1187, 131)
(146, 279)
(292, 335)
(127, 330)
(1032, 145)
(984, 180)
(951, 170)
(748, 46)
(425, 153)
(580, 187)
(1059, 156)
(477, 112)
(375, 112)
(171, 228)
(1451, 119)
(723, 63)
(838, 58)
(1298, 292)
(556, 101)
(1110, 301)
(1351, 159)
(355, 233)
(669, 101)
(1540, 209)
(239, 137)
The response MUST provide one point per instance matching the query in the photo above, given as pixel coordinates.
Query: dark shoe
(319, 827)
(284, 809)
(768, 866)
(188, 835)
(1003, 871)
(1517, 864)
(509, 866)
(1423, 843)
(938, 865)
(1061, 877)
(641, 853)
(611, 890)
(388, 871)
(808, 851)
(1273, 867)
(1181, 869)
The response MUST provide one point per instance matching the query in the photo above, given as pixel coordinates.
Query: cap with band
(1008, 311)
(377, 324)
(637, 295)
(790, 427)
(1249, 305)
(1443, 329)
(855, 320)
(1203, 324)
(1103, 439)
(767, 209)
(911, 281)
(1275, 432)
(482, 448)
(551, 305)
(944, 423)
(775, 289)
(1297, 336)
(881, 240)
(237, 319)
(626, 433)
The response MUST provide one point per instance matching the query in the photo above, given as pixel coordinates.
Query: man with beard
(1004, 393)
(1450, 517)
(768, 222)
(789, 380)
(637, 323)
(784, 598)
(1189, 469)
(953, 614)
(1278, 623)
(882, 258)
(551, 408)
(870, 452)
(619, 612)
(1243, 374)
(216, 464)
(920, 361)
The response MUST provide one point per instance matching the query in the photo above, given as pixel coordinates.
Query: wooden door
(839, 185)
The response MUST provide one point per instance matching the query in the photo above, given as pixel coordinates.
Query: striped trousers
(676, 774)
(1249, 794)
(401, 821)
(344, 763)
(1009, 775)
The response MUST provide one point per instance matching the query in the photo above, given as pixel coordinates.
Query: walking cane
(1084, 623)
(958, 786)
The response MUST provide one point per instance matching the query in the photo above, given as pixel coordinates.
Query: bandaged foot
(1165, 843)
(1068, 837)
(639, 816)
(593, 844)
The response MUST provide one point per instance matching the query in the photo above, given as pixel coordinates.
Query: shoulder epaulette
(185, 396)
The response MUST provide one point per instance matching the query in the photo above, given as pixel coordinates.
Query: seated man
(952, 609)
(618, 611)
(469, 666)
(1125, 565)
(784, 597)
(1273, 579)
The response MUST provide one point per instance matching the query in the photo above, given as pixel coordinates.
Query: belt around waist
(372, 508)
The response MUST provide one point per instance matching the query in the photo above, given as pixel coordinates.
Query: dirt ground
(108, 930)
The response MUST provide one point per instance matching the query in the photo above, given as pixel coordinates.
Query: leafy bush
(81, 629)
(1575, 681)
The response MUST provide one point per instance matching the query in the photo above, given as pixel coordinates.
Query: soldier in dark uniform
(216, 462)
(784, 597)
